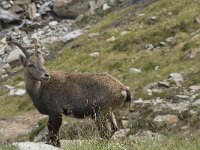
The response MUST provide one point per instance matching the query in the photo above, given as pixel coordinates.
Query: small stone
(149, 46)
(176, 77)
(14, 55)
(72, 35)
(196, 103)
(135, 70)
(162, 43)
(164, 84)
(170, 13)
(170, 40)
(157, 91)
(151, 85)
(120, 134)
(141, 15)
(17, 92)
(166, 119)
(184, 97)
(93, 35)
(53, 23)
(153, 18)
(106, 6)
(112, 39)
(34, 146)
(21, 84)
(157, 68)
(5, 4)
(195, 88)
(8, 87)
(125, 123)
(124, 33)
(95, 54)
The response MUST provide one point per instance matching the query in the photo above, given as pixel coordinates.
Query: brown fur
(76, 94)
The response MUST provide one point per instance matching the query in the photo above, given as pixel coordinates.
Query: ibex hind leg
(113, 122)
(104, 126)
(54, 124)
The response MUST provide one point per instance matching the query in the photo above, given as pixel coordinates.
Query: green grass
(179, 141)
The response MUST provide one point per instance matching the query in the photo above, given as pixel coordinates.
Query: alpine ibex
(76, 94)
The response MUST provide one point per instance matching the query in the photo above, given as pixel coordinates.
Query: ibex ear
(22, 59)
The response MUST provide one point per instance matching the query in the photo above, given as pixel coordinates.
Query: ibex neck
(32, 86)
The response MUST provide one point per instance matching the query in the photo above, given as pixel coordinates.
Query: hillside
(139, 44)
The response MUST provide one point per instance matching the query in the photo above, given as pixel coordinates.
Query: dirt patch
(17, 128)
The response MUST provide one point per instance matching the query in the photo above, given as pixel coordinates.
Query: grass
(179, 141)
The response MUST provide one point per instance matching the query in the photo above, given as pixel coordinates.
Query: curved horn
(21, 47)
(34, 41)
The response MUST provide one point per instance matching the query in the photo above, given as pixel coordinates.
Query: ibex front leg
(54, 124)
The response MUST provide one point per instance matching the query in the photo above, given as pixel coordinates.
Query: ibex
(77, 94)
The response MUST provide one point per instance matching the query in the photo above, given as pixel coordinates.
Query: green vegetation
(8, 148)
(180, 141)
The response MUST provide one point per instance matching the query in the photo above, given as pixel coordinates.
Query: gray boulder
(72, 35)
(8, 16)
(34, 146)
(71, 8)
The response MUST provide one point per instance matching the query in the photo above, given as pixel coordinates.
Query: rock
(184, 97)
(45, 8)
(53, 23)
(70, 8)
(162, 43)
(195, 88)
(5, 4)
(112, 39)
(153, 18)
(125, 123)
(8, 87)
(17, 92)
(34, 146)
(95, 54)
(14, 55)
(93, 6)
(145, 135)
(8, 16)
(149, 47)
(157, 68)
(151, 85)
(106, 7)
(17, 9)
(31, 10)
(3, 45)
(124, 33)
(141, 15)
(166, 119)
(72, 35)
(120, 134)
(176, 77)
(196, 103)
(37, 17)
(135, 70)
(170, 40)
(93, 35)
(163, 84)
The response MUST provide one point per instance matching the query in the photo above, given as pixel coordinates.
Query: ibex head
(33, 64)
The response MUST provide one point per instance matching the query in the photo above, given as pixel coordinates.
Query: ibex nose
(45, 77)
